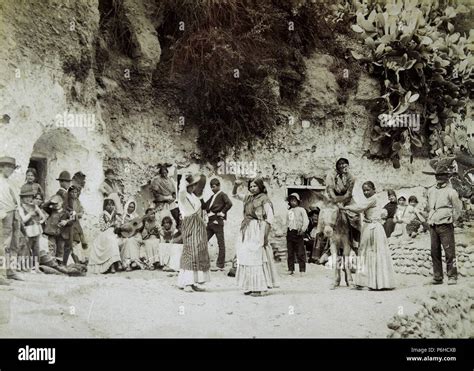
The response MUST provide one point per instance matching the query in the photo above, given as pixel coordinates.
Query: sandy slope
(148, 304)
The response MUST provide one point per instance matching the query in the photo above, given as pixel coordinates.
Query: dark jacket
(51, 227)
(221, 204)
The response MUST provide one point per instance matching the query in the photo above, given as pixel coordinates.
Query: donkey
(335, 225)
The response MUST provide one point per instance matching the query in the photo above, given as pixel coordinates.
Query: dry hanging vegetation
(230, 61)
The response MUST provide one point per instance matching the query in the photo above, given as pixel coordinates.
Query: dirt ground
(148, 304)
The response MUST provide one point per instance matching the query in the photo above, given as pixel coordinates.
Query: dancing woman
(195, 263)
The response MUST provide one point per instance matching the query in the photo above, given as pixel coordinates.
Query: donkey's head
(327, 217)
(327, 220)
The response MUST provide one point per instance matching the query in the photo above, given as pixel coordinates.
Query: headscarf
(126, 216)
(107, 216)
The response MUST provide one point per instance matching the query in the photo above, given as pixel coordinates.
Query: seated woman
(130, 246)
(105, 252)
(151, 240)
(171, 246)
(401, 218)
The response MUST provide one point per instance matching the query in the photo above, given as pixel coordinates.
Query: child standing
(297, 222)
(31, 178)
(51, 226)
(32, 217)
(391, 207)
(444, 209)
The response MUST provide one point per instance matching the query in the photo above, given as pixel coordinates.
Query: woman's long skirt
(130, 251)
(256, 270)
(195, 262)
(170, 255)
(389, 226)
(150, 250)
(374, 264)
(104, 252)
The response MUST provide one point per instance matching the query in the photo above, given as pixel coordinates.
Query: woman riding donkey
(341, 226)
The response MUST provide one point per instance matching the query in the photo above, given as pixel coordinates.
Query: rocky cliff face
(73, 97)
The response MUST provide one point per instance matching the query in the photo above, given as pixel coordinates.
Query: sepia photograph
(237, 169)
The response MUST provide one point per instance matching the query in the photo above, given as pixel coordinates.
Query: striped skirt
(195, 262)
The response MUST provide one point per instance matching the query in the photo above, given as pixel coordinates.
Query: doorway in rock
(40, 165)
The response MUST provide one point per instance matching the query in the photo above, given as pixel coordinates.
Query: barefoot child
(32, 217)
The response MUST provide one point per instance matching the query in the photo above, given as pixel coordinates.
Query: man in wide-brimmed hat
(9, 220)
(444, 209)
(65, 180)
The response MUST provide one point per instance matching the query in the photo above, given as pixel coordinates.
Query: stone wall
(50, 67)
(448, 313)
(413, 255)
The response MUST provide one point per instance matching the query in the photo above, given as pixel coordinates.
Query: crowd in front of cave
(43, 234)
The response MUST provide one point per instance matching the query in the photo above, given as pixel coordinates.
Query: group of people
(402, 219)
(34, 229)
(173, 233)
(368, 236)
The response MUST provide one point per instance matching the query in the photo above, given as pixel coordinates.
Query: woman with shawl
(163, 189)
(105, 252)
(256, 272)
(195, 263)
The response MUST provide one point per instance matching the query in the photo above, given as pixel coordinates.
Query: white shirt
(188, 203)
(8, 197)
(214, 196)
